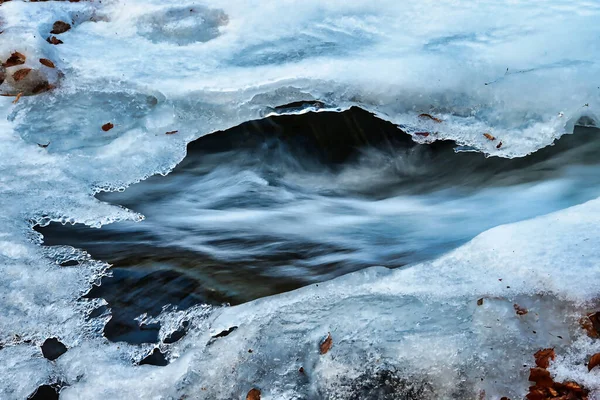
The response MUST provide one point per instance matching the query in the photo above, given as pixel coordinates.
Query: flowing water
(397, 175)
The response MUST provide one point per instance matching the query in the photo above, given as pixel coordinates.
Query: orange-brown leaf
(42, 87)
(253, 394)
(499, 145)
(47, 63)
(107, 126)
(54, 40)
(543, 357)
(431, 117)
(15, 58)
(520, 310)
(480, 302)
(21, 74)
(541, 377)
(16, 100)
(489, 136)
(594, 361)
(326, 344)
(171, 132)
(572, 386)
(591, 324)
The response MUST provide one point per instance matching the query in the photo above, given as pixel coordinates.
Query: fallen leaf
(253, 394)
(42, 87)
(489, 136)
(431, 117)
(536, 394)
(552, 392)
(54, 40)
(499, 145)
(480, 302)
(21, 74)
(520, 310)
(47, 63)
(326, 344)
(15, 58)
(594, 361)
(60, 27)
(543, 357)
(424, 134)
(301, 370)
(171, 132)
(572, 386)
(43, 146)
(591, 324)
(541, 377)
(107, 127)
(16, 100)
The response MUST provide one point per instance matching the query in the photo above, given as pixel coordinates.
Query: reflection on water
(276, 204)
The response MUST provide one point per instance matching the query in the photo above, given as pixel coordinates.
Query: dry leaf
(424, 134)
(54, 40)
(520, 310)
(480, 302)
(21, 74)
(253, 394)
(326, 344)
(107, 127)
(16, 100)
(42, 87)
(15, 58)
(499, 145)
(572, 386)
(591, 324)
(541, 377)
(60, 27)
(47, 63)
(543, 357)
(488, 136)
(536, 393)
(171, 132)
(431, 117)
(594, 361)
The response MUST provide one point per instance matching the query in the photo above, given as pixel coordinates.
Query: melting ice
(524, 72)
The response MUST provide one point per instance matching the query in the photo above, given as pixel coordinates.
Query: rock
(53, 348)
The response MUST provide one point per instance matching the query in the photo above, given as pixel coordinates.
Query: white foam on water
(523, 71)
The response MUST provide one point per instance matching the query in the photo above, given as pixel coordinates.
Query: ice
(524, 71)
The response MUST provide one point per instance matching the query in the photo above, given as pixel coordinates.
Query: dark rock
(155, 358)
(45, 392)
(53, 348)
(178, 334)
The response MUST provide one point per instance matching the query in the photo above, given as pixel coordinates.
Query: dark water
(279, 203)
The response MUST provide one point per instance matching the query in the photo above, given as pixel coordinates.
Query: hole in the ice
(156, 358)
(52, 348)
(46, 392)
(286, 201)
(183, 25)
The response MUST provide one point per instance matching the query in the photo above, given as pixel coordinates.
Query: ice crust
(149, 67)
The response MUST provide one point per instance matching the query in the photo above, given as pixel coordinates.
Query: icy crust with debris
(525, 76)
(421, 325)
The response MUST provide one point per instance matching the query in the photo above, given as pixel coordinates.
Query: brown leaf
(42, 87)
(520, 310)
(543, 357)
(60, 27)
(21, 74)
(591, 324)
(541, 377)
(326, 344)
(253, 394)
(47, 63)
(572, 386)
(424, 134)
(301, 370)
(489, 136)
(499, 145)
(107, 127)
(480, 302)
(54, 40)
(594, 361)
(171, 132)
(15, 58)
(16, 100)
(431, 117)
